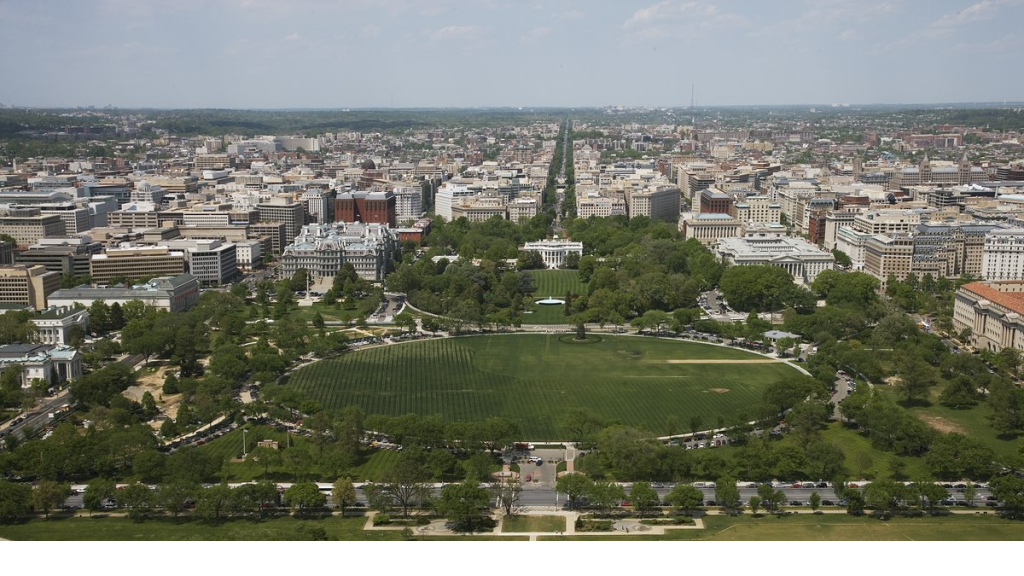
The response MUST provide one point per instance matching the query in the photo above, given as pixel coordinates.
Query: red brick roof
(1013, 301)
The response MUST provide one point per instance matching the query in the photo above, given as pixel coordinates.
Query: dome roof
(368, 165)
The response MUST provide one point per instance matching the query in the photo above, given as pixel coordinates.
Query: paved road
(38, 416)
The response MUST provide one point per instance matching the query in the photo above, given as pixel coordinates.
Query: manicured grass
(857, 446)
(533, 524)
(973, 422)
(533, 379)
(284, 528)
(825, 527)
(556, 283)
(546, 314)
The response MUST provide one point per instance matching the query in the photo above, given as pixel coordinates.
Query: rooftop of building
(1013, 301)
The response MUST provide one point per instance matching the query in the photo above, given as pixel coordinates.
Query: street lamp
(244, 432)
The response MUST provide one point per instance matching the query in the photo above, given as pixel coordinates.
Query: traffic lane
(39, 417)
(541, 495)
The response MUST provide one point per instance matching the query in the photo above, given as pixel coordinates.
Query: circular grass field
(534, 378)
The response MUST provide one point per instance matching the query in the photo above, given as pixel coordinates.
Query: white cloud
(456, 33)
(535, 35)
(669, 9)
(293, 37)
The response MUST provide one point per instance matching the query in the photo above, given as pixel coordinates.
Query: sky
(493, 53)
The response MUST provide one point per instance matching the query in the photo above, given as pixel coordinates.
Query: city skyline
(440, 53)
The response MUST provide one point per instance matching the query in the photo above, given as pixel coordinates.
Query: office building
(30, 285)
(661, 203)
(798, 257)
(54, 324)
(249, 254)
(714, 201)
(408, 203)
(132, 262)
(46, 362)
(594, 204)
(275, 231)
(76, 219)
(323, 248)
(211, 261)
(318, 205)
(61, 255)
(173, 294)
(368, 207)
(993, 311)
(27, 225)
(709, 228)
(286, 210)
(1003, 255)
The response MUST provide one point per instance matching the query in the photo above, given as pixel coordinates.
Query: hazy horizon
(430, 54)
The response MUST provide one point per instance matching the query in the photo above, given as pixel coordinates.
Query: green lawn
(826, 527)
(973, 422)
(556, 283)
(859, 452)
(533, 524)
(533, 379)
(284, 528)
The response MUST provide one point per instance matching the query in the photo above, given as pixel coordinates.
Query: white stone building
(1003, 255)
(54, 324)
(798, 257)
(554, 251)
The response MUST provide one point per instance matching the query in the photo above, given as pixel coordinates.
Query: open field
(556, 283)
(825, 527)
(284, 528)
(533, 379)
(798, 527)
(533, 524)
(973, 422)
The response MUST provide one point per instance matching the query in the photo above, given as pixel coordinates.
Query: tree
(854, 502)
(606, 495)
(1009, 490)
(343, 494)
(138, 499)
(14, 500)
(463, 504)
(174, 497)
(815, 501)
(755, 504)
(916, 376)
(96, 491)
(580, 424)
(48, 495)
(933, 493)
(643, 498)
(377, 498)
(304, 495)
(405, 481)
(573, 486)
(213, 501)
(885, 495)
(685, 498)
(506, 493)
(771, 498)
(727, 495)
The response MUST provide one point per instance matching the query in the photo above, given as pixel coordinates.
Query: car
(827, 503)
(821, 485)
(992, 498)
(991, 504)
(796, 503)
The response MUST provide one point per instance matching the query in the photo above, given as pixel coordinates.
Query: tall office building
(28, 285)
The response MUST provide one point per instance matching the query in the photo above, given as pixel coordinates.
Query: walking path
(621, 527)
